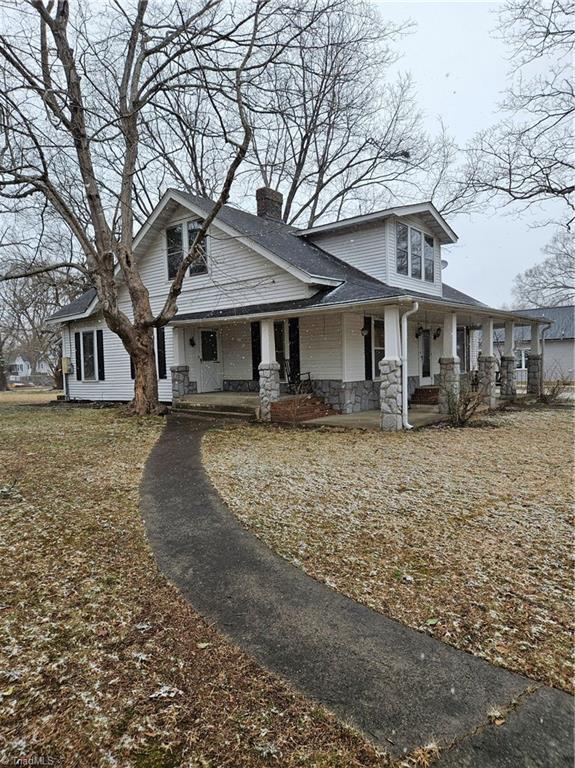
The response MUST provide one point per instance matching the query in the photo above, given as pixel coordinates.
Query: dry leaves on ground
(103, 663)
(462, 533)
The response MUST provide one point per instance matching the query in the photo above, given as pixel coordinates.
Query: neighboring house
(20, 371)
(558, 339)
(341, 302)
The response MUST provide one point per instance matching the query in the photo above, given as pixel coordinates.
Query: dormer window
(178, 241)
(415, 256)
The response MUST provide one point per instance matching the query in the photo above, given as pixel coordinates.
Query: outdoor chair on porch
(298, 383)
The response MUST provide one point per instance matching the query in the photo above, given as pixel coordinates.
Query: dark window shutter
(256, 349)
(161, 347)
(77, 343)
(132, 369)
(293, 334)
(100, 349)
(367, 350)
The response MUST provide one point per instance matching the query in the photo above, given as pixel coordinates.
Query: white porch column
(269, 370)
(487, 363)
(508, 389)
(390, 373)
(535, 363)
(449, 368)
(180, 371)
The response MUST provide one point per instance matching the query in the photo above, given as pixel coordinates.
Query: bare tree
(528, 156)
(77, 90)
(330, 130)
(551, 283)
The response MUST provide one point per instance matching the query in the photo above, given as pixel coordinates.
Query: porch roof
(364, 297)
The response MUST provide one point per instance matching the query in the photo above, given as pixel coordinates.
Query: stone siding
(330, 391)
(487, 366)
(269, 388)
(241, 385)
(534, 374)
(181, 384)
(449, 381)
(390, 395)
(508, 389)
(360, 396)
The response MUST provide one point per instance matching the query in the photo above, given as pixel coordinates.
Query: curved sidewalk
(401, 687)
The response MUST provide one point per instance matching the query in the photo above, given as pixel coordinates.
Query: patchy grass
(103, 663)
(28, 396)
(464, 534)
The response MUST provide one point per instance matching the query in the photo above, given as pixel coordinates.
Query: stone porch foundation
(449, 381)
(269, 388)
(390, 395)
(487, 365)
(181, 384)
(508, 389)
(534, 374)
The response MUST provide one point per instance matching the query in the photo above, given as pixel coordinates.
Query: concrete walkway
(402, 688)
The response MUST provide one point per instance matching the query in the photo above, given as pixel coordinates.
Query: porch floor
(419, 417)
(224, 399)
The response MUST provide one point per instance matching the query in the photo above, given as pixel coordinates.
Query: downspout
(404, 419)
(544, 328)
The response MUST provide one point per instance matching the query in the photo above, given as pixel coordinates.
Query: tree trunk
(146, 378)
(3, 378)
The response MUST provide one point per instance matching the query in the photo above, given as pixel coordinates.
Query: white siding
(236, 276)
(353, 350)
(118, 384)
(363, 248)
(321, 345)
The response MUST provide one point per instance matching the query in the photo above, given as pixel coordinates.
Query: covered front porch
(399, 359)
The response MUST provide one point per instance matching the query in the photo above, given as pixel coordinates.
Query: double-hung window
(378, 344)
(179, 240)
(89, 355)
(415, 256)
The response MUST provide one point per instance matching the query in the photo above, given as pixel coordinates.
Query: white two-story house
(356, 309)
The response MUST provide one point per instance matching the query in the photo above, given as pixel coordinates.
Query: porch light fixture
(365, 329)
(437, 333)
(418, 332)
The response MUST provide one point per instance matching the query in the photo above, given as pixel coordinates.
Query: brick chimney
(269, 203)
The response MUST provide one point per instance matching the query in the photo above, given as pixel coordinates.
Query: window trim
(98, 366)
(422, 278)
(184, 227)
(374, 369)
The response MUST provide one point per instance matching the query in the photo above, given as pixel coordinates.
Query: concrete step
(216, 407)
(215, 413)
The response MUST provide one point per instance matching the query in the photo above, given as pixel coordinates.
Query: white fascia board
(300, 274)
(399, 211)
(71, 318)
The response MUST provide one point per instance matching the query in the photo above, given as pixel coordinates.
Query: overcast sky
(460, 71)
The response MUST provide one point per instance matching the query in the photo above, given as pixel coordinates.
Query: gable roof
(77, 308)
(426, 211)
(338, 281)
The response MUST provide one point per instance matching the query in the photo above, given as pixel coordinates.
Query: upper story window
(178, 241)
(415, 255)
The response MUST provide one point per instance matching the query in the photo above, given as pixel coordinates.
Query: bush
(554, 386)
(463, 405)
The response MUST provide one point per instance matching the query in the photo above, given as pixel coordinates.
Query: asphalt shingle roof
(279, 238)
(563, 319)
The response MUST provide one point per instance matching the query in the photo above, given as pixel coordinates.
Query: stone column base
(269, 388)
(180, 380)
(449, 381)
(487, 365)
(508, 390)
(534, 374)
(390, 395)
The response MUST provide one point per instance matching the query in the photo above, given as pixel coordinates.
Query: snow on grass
(462, 533)
(103, 663)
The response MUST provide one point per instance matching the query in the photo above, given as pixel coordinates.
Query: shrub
(462, 406)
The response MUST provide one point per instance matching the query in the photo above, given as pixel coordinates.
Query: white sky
(460, 72)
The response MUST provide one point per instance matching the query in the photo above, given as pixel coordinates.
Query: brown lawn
(103, 663)
(465, 534)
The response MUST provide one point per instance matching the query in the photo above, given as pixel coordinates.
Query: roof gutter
(404, 393)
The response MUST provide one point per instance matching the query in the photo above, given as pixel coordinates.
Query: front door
(211, 374)
(425, 356)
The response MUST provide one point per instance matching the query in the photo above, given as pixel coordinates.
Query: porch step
(425, 396)
(298, 408)
(213, 410)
